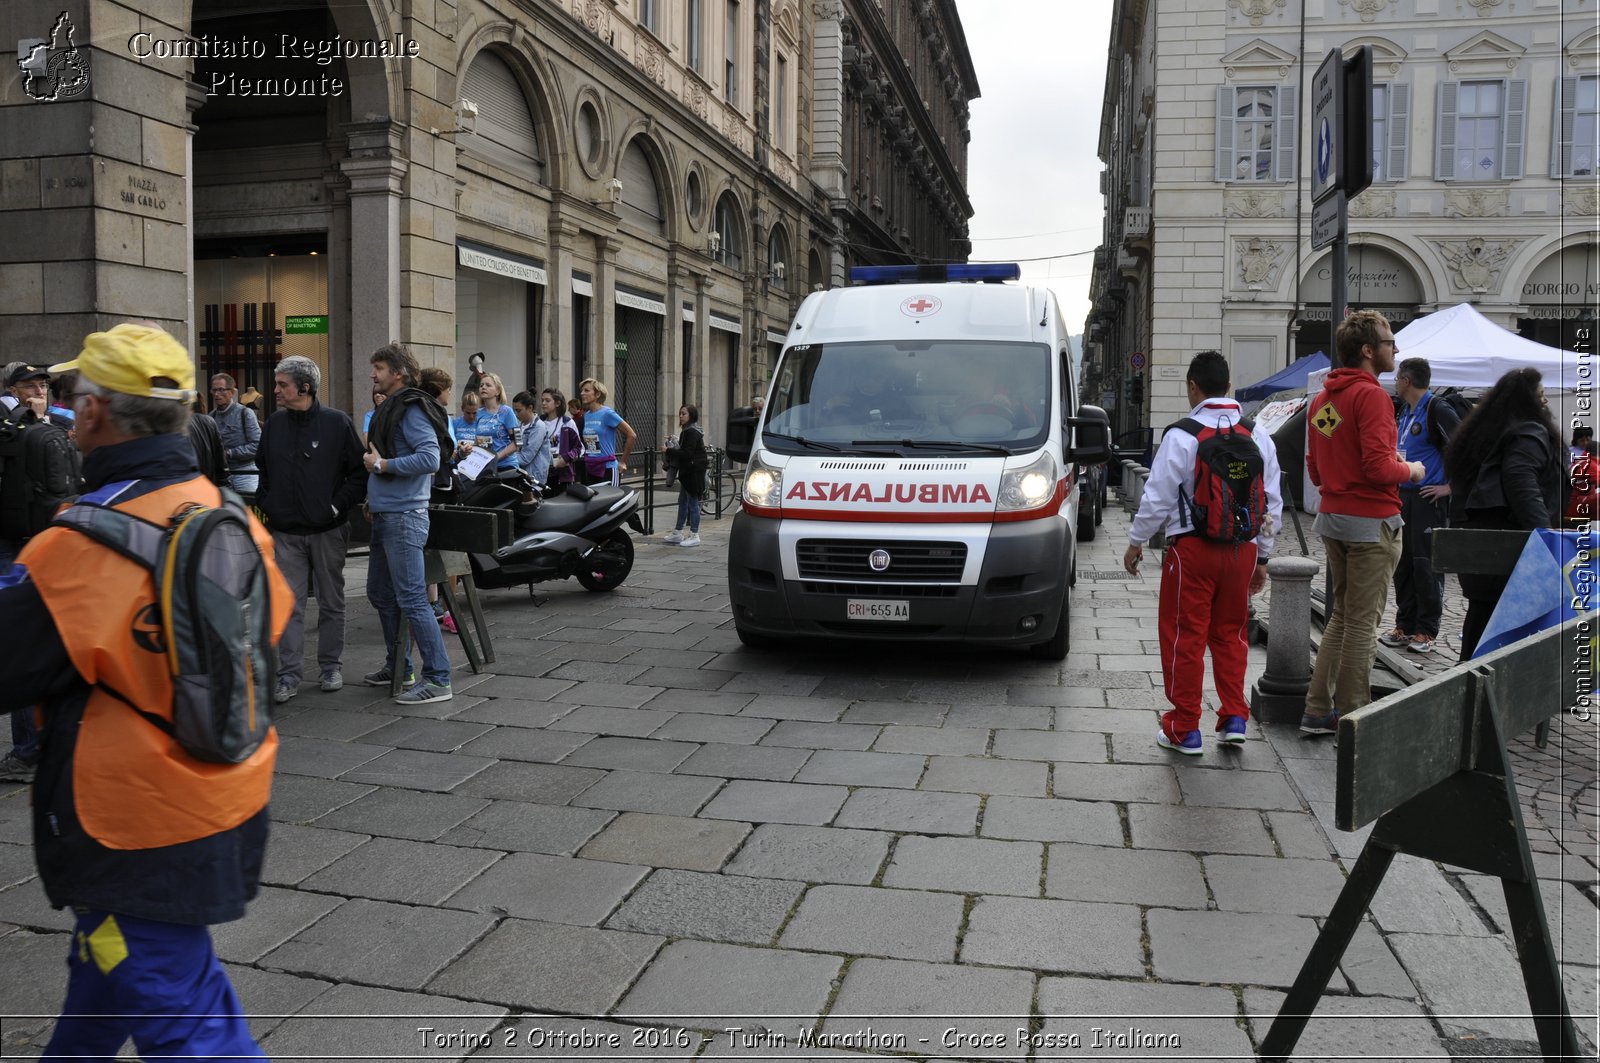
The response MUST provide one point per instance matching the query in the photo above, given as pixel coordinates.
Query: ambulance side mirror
(741, 434)
(1091, 436)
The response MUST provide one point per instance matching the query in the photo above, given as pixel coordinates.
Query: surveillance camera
(466, 115)
(715, 242)
(615, 190)
(777, 271)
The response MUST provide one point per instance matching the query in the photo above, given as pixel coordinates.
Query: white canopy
(1467, 350)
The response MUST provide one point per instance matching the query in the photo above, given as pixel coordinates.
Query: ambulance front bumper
(1014, 600)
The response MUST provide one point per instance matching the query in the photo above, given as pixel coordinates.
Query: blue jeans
(395, 586)
(688, 510)
(159, 983)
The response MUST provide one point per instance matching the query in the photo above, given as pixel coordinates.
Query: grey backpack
(215, 608)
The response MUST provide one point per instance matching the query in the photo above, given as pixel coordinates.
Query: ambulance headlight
(763, 483)
(1029, 487)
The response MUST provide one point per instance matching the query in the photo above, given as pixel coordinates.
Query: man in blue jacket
(312, 476)
(403, 454)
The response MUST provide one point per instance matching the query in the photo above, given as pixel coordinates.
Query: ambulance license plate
(876, 609)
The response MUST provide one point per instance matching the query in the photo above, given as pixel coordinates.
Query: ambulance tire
(1086, 521)
(1055, 648)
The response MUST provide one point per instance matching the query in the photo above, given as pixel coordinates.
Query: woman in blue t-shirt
(464, 429)
(497, 422)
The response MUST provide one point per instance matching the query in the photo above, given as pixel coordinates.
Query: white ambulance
(915, 472)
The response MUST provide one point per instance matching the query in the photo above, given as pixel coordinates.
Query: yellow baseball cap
(128, 357)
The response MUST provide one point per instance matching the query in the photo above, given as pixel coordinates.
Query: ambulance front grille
(909, 562)
(854, 466)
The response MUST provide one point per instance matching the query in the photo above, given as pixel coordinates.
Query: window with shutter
(641, 199)
(1481, 130)
(729, 253)
(1256, 133)
(1580, 127)
(504, 133)
(1444, 153)
(1515, 126)
(1288, 126)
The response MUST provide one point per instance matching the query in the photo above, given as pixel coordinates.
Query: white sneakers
(673, 537)
(677, 538)
(691, 540)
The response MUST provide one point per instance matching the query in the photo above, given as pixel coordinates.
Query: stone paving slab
(856, 920)
(937, 1010)
(710, 986)
(393, 869)
(644, 791)
(296, 851)
(437, 736)
(1084, 746)
(708, 907)
(1051, 935)
(950, 741)
(1197, 830)
(667, 841)
(517, 826)
(1265, 950)
(911, 812)
(776, 802)
(1269, 884)
(550, 889)
(1098, 1018)
(377, 943)
(812, 854)
(304, 798)
(526, 743)
(605, 720)
(1473, 999)
(1365, 1027)
(324, 758)
(329, 723)
(418, 770)
(273, 996)
(770, 763)
(707, 727)
(1052, 820)
(394, 813)
(984, 776)
(810, 735)
(514, 712)
(275, 916)
(545, 784)
(1570, 913)
(1238, 789)
(1129, 876)
(966, 865)
(360, 1023)
(852, 768)
(630, 754)
(1156, 783)
(534, 966)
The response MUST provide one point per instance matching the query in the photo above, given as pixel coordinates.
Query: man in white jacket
(1206, 581)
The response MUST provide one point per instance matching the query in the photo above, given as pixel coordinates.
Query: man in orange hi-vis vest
(148, 844)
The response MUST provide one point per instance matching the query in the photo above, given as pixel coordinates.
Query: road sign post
(1341, 159)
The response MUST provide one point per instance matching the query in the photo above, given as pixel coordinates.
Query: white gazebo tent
(1464, 349)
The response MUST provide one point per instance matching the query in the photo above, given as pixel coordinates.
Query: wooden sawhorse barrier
(1429, 763)
(453, 533)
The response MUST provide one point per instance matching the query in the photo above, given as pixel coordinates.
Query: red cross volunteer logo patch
(921, 306)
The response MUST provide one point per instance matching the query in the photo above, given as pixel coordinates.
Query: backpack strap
(1185, 503)
(1187, 424)
(138, 540)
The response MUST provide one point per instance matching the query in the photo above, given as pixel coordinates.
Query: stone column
(375, 169)
(1280, 694)
(194, 99)
(563, 233)
(605, 311)
(351, 387)
(702, 340)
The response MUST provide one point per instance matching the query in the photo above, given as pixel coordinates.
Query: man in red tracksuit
(1352, 457)
(1205, 585)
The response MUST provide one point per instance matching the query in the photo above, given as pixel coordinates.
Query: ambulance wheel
(1055, 649)
(1086, 522)
(607, 564)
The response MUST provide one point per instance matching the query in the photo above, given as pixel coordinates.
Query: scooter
(576, 530)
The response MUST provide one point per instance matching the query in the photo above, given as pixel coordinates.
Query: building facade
(1484, 181)
(622, 189)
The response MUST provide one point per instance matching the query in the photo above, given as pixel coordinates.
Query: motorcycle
(576, 530)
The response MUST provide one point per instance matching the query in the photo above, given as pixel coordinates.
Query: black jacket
(208, 450)
(1519, 485)
(692, 460)
(312, 475)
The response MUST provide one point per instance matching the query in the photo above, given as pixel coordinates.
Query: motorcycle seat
(568, 511)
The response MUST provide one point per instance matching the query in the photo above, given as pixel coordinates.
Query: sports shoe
(425, 693)
(285, 691)
(690, 540)
(1394, 638)
(1319, 725)
(673, 537)
(383, 677)
(1421, 644)
(332, 680)
(1231, 730)
(14, 769)
(1189, 744)
(448, 623)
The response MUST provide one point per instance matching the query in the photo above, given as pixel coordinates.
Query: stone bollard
(1141, 476)
(1280, 694)
(1128, 465)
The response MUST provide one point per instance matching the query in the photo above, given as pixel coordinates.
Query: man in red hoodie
(1352, 457)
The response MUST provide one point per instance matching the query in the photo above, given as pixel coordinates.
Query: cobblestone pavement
(631, 834)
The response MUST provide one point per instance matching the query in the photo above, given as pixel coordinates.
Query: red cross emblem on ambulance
(921, 306)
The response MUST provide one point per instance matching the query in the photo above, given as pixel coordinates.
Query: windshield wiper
(816, 444)
(986, 448)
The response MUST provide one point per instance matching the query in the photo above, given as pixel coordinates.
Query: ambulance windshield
(922, 397)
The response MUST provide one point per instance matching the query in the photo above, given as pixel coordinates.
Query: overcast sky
(1032, 167)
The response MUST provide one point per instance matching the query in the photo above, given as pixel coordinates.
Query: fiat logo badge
(878, 560)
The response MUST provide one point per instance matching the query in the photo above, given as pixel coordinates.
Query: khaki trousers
(1360, 572)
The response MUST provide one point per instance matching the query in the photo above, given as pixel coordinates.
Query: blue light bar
(991, 272)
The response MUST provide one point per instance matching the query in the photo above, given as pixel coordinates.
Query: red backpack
(1229, 503)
